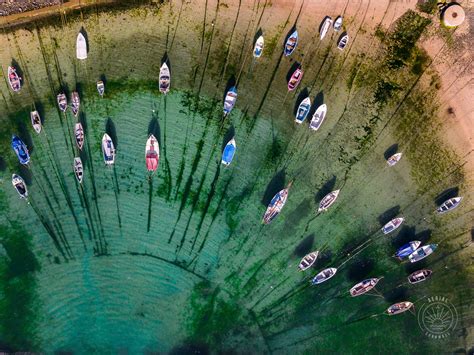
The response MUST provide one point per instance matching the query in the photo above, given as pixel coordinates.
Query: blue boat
(230, 99)
(291, 43)
(407, 249)
(21, 150)
(303, 110)
(228, 153)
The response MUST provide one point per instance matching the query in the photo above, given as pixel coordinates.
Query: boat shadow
(228, 136)
(292, 69)
(446, 195)
(318, 101)
(3, 164)
(25, 173)
(394, 295)
(154, 128)
(305, 246)
(111, 131)
(302, 95)
(407, 234)
(83, 121)
(24, 133)
(276, 184)
(40, 108)
(388, 215)
(256, 36)
(325, 189)
(390, 151)
(17, 67)
(166, 59)
(359, 269)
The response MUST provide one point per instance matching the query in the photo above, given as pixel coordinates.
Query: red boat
(152, 153)
(295, 79)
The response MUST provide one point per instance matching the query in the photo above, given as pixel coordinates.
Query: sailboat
(78, 169)
(36, 121)
(394, 159)
(152, 153)
(21, 150)
(392, 225)
(363, 287)
(14, 79)
(229, 152)
(101, 87)
(81, 46)
(308, 260)
(295, 79)
(324, 275)
(449, 205)
(318, 117)
(291, 43)
(276, 205)
(258, 49)
(79, 134)
(325, 27)
(20, 186)
(108, 149)
(398, 308)
(62, 102)
(303, 110)
(230, 99)
(328, 200)
(165, 79)
(75, 103)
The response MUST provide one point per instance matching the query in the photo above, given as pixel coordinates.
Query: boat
(338, 23)
(291, 43)
(230, 99)
(392, 225)
(21, 150)
(101, 87)
(363, 287)
(78, 169)
(258, 49)
(303, 110)
(342, 43)
(79, 134)
(75, 103)
(328, 200)
(419, 276)
(325, 27)
(318, 117)
(62, 102)
(152, 153)
(81, 46)
(295, 79)
(276, 205)
(14, 79)
(20, 186)
(449, 205)
(394, 159)
(165, 79)
(398, 308)
(229, 152)
(36, 121)
(324, 275)
(108, 149)
(421, 253)
(308, 260)
(407, 249)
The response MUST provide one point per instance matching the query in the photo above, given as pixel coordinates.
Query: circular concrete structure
(453, 15)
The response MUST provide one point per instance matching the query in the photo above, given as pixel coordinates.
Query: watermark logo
(438, 317)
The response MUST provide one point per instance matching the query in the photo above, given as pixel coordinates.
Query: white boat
(398, 308)
(62, 102)
(328, 200)
(308, 260)
(230, 99)
(152, 153)
(342, 43)
(422, 252)
(81, 46)
(14, 79)
(338, 23)
(258, 49)
(419, 276)
(75, 103)
(78, 169)
(449, 205)
(324, 275)
(229, 152)
(303, 110)
(79, 134)
(101, 87)
(36, 121)
(165, 79)
(318, 117)
(394, 159)
(392, 225)
(363, 287)
(108, 149)
(325, 27)
(19, 185)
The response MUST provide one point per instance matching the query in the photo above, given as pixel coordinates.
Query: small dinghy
(303, 110)
(62, 102)
(421, 253)
(258, 49)
(419, 276)
(108, 149)
(392, 225)
(342, 43)
(229, 152)
(81, 46)
(75, 103)
(79, 134)
(101, 87)
(398, 308)
(20, 186)
(407, 249)
(324, 275)
(338, 23)
(325, 27)
(318, 117)
(230, 99)
(291, 43)
(165, 79)
(78, 169)
(36, 121)
(276, 205)
(295, 79)
(21, 150)
(363, 287)
(394, 159)
(328, 200)
(308, 260)
(449, 205)
(152, 153)
(14, 79)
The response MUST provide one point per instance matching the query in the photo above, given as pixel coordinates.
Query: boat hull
(295, 79)
(291, 44)
(21, 150)
(165, 79)
(328, 200)
(363, 287)
(152, 153)
(229, 152)
(230, 99)
(303, 110)
(324, 275)
(108, 150)
(276, 205)
(20, 186)
(318, 117)
(449, 205)
(308, 260)
(392, 225)
(81, 47)
(78, 169)
(36, 121)
(14, 79)
(421, 253)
